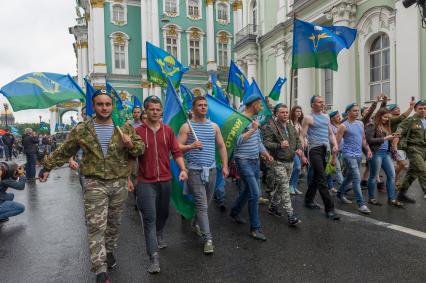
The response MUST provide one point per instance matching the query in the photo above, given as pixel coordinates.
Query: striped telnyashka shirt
(104, 133)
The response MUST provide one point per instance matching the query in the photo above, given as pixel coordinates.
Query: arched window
(118, 14)
(171, 37)
(380, 66)
(194, 9)
(171, 7)
(254, 16)
(195, 47)
(223, 49)
(222, 12)
(120, 51)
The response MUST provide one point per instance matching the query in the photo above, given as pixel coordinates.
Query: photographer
(12, 176)
(29, 142)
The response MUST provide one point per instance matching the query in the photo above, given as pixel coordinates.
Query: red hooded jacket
(154, 163)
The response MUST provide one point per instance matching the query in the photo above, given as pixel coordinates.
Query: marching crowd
(136, 158)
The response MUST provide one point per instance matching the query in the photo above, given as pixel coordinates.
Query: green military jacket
(417, 136)
(94, 164)
(272, 141)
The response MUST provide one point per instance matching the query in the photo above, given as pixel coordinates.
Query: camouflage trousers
(278, 179)
(416, 169)
(103, 206)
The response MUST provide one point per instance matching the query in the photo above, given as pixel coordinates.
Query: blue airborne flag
(276, 90)
(187, 97)
(237, 82)
(217, 90)
(118, 112)
(162, 65)
(41, 90)
(254, 91)
(90, 90)
(317, 46)
(136, 102)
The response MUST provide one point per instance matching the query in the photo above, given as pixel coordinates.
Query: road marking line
(391, 226)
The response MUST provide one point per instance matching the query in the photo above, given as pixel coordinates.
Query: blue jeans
(10, 208)
(219, 191)
(353, 176)
(249, 190)
(8, 152)
(381, 160)
(297, 166)
(30, 167)
(336, 179)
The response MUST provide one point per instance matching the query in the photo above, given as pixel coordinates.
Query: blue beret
(391, 107)
(350, 106)
(333, 113)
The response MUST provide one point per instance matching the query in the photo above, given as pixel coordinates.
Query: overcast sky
(35, 38)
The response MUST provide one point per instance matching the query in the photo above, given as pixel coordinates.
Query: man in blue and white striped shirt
(200, 152)
(246, 154)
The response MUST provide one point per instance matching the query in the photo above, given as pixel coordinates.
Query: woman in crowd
(296, 118)
(379, 137)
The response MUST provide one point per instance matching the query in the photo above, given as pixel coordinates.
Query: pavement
(47, 243)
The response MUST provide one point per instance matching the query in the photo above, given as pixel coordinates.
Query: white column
(344, 79)
(211, 61)
(155, 22)
(79, 64)
(97, 15)
(236, 18)
(144, 31)
(53, 117)
(84, 59)
(282, 11)
(306, 87)
(251, 67)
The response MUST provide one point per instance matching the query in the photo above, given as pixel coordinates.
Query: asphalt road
(47, 243)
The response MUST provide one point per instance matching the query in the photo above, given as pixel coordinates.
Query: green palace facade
(111, 35)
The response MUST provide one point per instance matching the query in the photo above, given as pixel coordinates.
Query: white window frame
(382, 81)
(252, 11)
(324, 74)
(200, 10)
(218, 35)
(171, 14)
(113, 37)
(188, 39)
(178, 39)
(228, 9)
(118, 23)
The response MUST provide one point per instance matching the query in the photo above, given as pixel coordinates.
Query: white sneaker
(344, 200)
(364, 209)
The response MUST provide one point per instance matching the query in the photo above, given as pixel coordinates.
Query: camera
(422, 8)
(10, 170)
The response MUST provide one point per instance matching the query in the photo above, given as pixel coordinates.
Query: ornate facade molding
(376, 20)
(238, 5)
(97, 3)
(209, 2)
(343, 11)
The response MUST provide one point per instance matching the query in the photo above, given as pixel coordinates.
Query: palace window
(254, 15)
(223, 49)
(119, 14)
(120, 51)
(222, 12)
(171, 39)
(171, 7)
(380, 67)
(194, 52)
(194, 9)
(328, 87)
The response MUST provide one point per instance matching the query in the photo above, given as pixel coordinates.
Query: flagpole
(291, 66)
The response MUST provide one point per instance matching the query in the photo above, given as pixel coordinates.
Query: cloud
(36, 39)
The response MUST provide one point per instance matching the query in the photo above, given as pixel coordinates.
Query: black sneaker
(258, 235)
(154, 264)
(110, 261)
(4, 220)
(273, 210)
(239, 219)
(102, 278)
(293, 220)
(364, 183)
(222, 207)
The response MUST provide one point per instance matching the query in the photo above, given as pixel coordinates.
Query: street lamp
(40, 119)
(6, 107)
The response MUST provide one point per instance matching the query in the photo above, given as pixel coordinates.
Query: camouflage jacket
(272, 141)
(417, 135)
(94, 163)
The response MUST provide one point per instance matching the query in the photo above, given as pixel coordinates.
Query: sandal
(396, 203)
(374, 202)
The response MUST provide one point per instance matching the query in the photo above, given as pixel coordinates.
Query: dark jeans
(318, 162)
(8, 152)
(10, 208)
(30, 167)
(153, 201)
